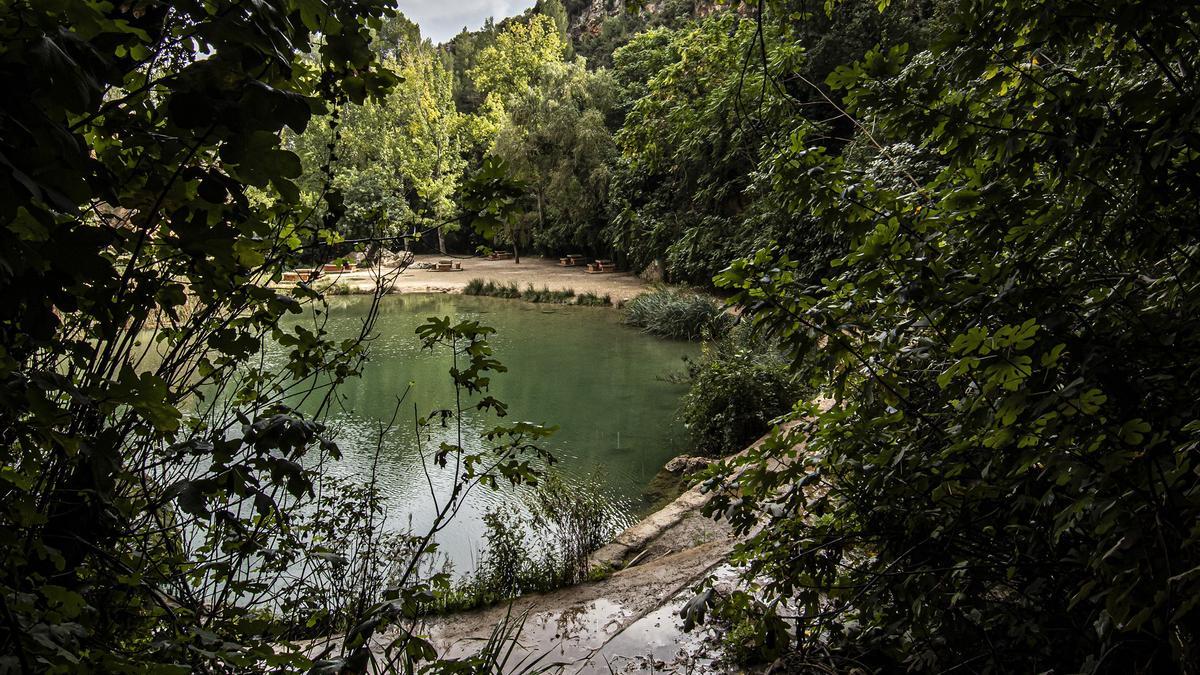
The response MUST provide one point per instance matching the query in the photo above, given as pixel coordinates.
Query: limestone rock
(686, 464)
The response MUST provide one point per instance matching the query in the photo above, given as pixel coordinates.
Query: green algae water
(604, 385)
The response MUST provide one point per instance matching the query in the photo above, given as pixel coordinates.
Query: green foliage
(554, 139)
(162, 504)
(337, 289)
(145, 187)
(459, 56)
(706, 107)
(688, 154)
(1004, 479)
(491, 200)
(508, 67)
(744, 645)
(678, 314)
(397, 161)
(738, 387)
(617, 29)
(599, 572)
(574, 521)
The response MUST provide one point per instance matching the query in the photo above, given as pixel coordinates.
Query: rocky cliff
(585, 17)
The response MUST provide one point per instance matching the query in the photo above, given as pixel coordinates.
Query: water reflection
(577, 368)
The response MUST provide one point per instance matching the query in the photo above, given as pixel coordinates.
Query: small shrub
(755, 634)
(744, 645)
(678, 314)
(506, 570)
(739, 385)
(600, 572)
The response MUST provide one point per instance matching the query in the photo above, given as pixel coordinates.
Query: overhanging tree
(150, 462)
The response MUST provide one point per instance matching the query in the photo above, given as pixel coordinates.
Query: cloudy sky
(442, 19)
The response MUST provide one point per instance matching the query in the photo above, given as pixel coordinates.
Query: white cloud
(441, 20)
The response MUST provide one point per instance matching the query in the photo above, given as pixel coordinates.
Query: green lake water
(604, 385)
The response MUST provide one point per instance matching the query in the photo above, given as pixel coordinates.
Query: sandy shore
(540, 272)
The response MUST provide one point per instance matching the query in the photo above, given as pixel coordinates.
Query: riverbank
(629, 620)
(538, 272)
(625, 622)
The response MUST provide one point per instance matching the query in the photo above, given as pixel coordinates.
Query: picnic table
(601, 266)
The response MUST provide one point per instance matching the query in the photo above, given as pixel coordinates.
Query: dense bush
(683, 315)
(694, 187)
(738, 386)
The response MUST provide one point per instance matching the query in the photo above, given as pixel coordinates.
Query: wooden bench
(334, 269)
(500, 255)
(571, 260)
(447, 266)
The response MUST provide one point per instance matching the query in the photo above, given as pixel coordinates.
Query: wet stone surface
(627, 623)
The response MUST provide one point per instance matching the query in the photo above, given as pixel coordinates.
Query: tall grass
(545, 295)
(590, 299)
(540, 295)
(540, 549)
(683, 315)
(492, 289)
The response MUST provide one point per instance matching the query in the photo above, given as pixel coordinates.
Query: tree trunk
(541, 217)
(541, 224)
(441, 241)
